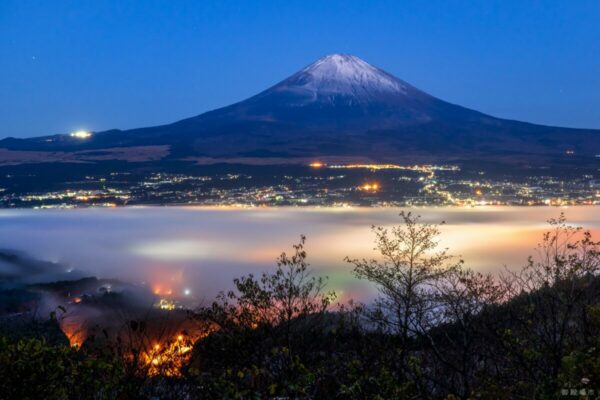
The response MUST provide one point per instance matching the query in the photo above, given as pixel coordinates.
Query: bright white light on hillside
(187, 292)
(81, 134)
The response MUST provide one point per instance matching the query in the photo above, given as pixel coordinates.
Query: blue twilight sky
(71, 64)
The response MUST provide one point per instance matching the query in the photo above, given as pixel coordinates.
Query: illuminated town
(313, 184)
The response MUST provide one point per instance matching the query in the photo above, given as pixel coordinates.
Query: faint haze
(203, 249)
(100, 65)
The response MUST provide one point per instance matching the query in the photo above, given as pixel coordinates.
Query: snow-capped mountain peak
(339, 106)
(343, 74)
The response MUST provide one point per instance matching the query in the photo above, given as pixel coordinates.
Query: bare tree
(453, 332)
(280, 299)
(551, 295)
(405, 274)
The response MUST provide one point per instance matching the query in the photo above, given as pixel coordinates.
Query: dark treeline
(438, 330)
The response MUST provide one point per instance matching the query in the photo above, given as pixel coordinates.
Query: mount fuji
(340, 106)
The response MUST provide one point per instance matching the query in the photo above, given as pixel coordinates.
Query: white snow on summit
(345, 75)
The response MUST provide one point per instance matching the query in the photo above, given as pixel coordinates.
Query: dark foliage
(438, 331)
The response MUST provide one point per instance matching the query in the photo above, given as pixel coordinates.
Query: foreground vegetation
(438, 330)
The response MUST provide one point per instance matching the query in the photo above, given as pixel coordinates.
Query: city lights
(370, 187)
(81, 134)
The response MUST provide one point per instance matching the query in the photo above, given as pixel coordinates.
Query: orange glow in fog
(167, 359)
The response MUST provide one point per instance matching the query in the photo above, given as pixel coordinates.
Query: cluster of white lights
(81, 134)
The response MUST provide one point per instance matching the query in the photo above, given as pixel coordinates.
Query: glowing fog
(202, 249)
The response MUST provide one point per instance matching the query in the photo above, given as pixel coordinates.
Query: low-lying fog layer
(200, 250)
